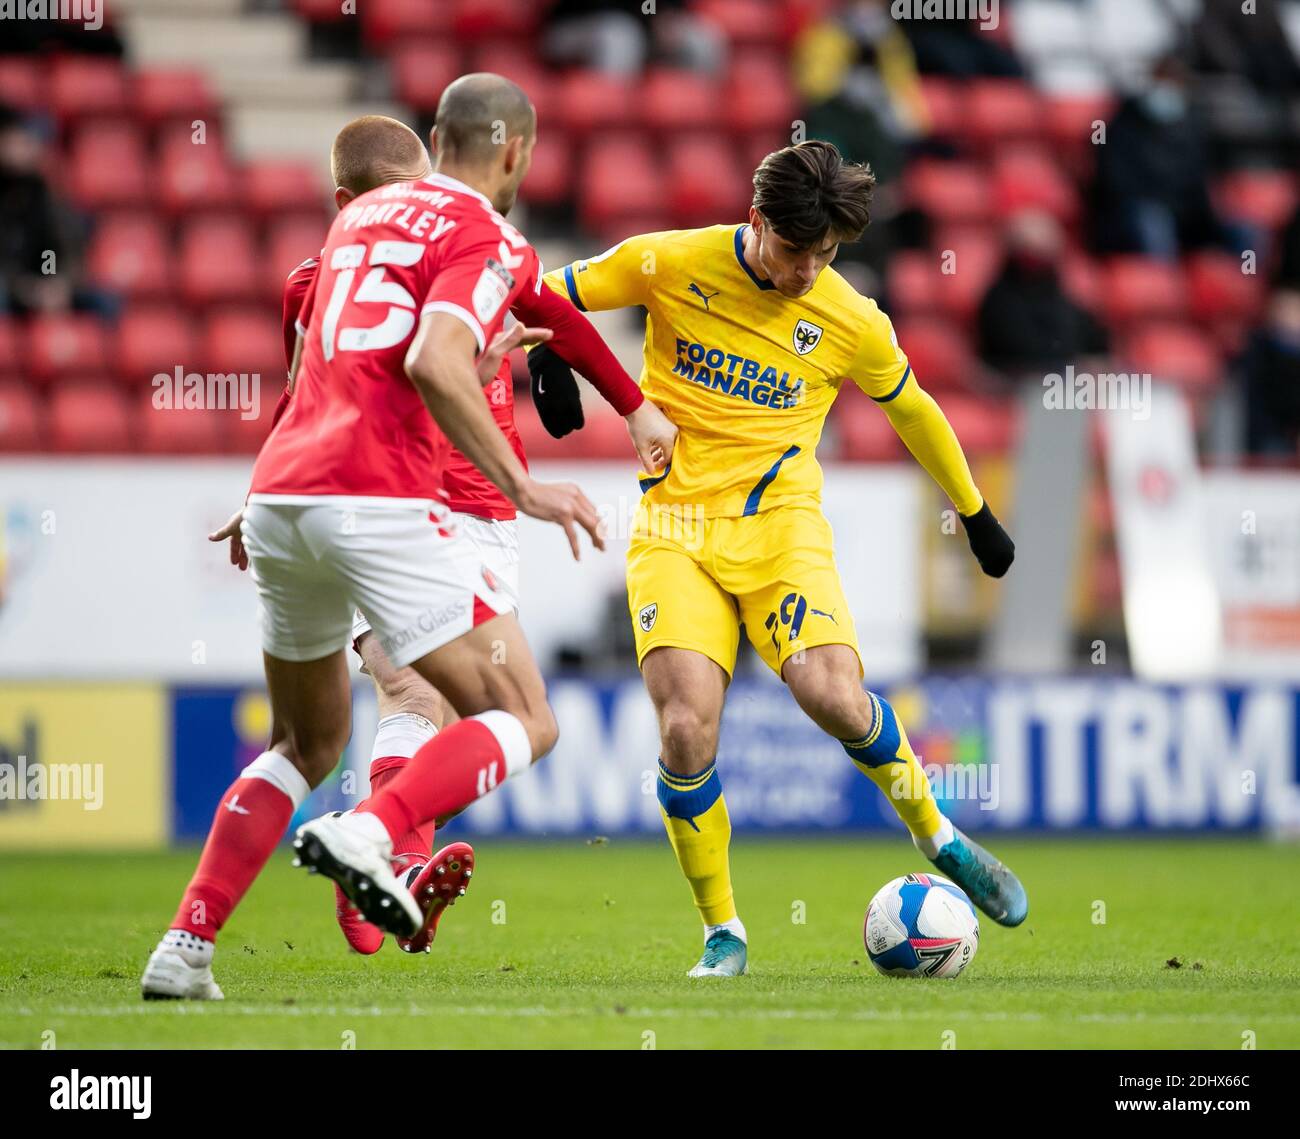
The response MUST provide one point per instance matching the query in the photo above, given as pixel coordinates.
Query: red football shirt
(356, 427)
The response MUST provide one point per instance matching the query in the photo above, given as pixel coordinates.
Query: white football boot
(180, 969)
(355, 851)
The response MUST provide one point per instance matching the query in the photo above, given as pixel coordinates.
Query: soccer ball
(921, 925)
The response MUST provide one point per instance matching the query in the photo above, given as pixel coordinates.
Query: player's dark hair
(480, 112)
(808, 191)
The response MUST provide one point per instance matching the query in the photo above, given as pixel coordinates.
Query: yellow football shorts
(692, 582)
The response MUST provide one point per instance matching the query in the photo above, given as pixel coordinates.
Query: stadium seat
(152, 339)
(246, 436)
(743, 22)
(270, 186)
(588, 100)
(759, 93)
(976, 257)
(1029, 177)
(20, 418)
(191, 175)
(321, 11)
(1178, 353)
(1263, 198)
(618, 179)
(1000, 111)
(604, 436)
(864, 431)
(1081, 277)
(676, 100)
(88, 415)
(984, 425)
(244, 340)
(83, 86)
(1139, 288)
(550, 177)
(475, 20)
(384, 22)
(289, 242)
(64, 344)
(943, 100)
(108, 166)
(130, 254)
(707, 185)
(1219, 289)
(912, 285)
(10, 363)
(1069, 122)
(22, 82)
(949, 191)
(939, 352)
(218, 260)
(178, 431)
(421, 71)
(160, 95)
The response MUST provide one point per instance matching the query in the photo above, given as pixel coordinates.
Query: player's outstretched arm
(924, 428)
(440, 364)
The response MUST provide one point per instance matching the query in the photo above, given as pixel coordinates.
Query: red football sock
(460, 764)
(249, 823)
(416, 843)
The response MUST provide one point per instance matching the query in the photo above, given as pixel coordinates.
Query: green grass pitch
(565, 944)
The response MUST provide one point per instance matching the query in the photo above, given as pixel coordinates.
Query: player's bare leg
(826, 682)
(410, 713)
(488, 676)
(311, 710)
(687, 689)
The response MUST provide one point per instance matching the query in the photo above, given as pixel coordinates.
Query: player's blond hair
(374, 150)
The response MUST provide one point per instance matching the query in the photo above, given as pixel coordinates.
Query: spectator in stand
(1249, 44)
(1028, 326)
(958, 45)
(1271, 377)
(1152, 186)
(34, 273)
(617, 38)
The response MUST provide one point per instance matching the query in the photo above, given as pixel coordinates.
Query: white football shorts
(419, 580)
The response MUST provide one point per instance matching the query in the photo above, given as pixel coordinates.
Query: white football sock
(735, 925)
(931, 846)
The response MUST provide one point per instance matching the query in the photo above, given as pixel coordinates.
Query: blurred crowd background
(1108, 185)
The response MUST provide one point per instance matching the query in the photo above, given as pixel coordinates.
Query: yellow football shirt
(747, 375)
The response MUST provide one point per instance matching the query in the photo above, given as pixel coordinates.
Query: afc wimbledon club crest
(647, 616)
(806, 337)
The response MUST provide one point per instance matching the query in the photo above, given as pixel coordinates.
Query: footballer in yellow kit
(750, 336)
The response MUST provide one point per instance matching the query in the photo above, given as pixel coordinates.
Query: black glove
(991, 545)
(555, 392)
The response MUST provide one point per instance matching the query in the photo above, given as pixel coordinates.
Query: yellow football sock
(695, 814)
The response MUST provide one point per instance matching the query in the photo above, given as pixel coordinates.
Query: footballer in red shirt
(347, 511)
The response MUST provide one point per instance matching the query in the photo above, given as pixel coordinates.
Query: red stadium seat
(1219, 289)
(10, 364)
(865, 433)
(965, 259)
(676, 100)
(1069, 122)
(81, 86)
(192, 175)
(550, 177)
(246, 436)
(65, 344)
(153, 339)
(160, 95)
(170, 430)
(1030, 178)
(1178, 353)
(983, 425)
(218, 261)
(130, 253)
(475, 20)
(913, 285)
(244, 340)
(108, 165)
(1265, 198)
(22, 82)
(949, 191)
(618, 180)
(1081, 277)
(321, 11)
(707, 184)
(384, 22)
(270, 186)
(943, 99)
(588, 100)
(21, 427)
(939, 352)
(999, 111)
(742, 21)
(1139, 288)
(422, 70)
(760, 94)
(290, 241)
(88, 415)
